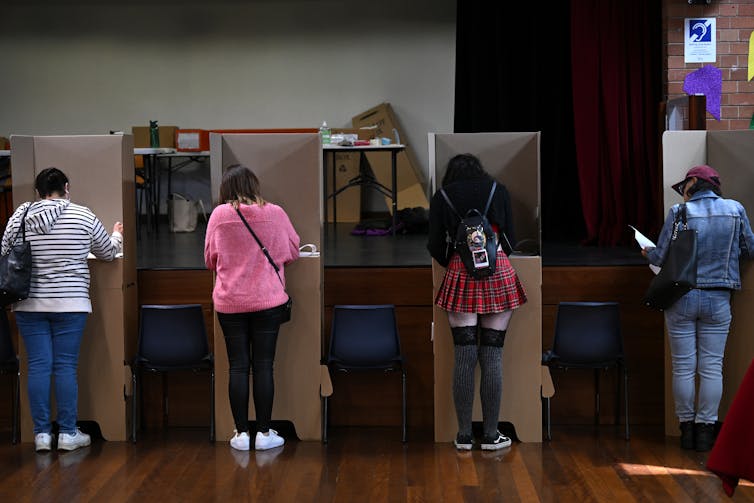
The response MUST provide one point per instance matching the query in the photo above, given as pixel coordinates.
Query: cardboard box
(141, 136)
(191, 140)
(412, 186)
(141, 140)
(4, 143)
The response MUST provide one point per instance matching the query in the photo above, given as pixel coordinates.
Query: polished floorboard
(581, 464)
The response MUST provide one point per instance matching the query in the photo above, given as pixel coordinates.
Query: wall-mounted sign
(700, 40)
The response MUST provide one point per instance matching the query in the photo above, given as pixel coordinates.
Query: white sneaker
(269, 441)
(498, 441)
(42, 442)
(240, 441)
(71, 442)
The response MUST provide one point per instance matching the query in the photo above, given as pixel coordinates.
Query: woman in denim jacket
(698, 323)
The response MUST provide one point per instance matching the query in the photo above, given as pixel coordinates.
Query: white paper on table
(645, 242)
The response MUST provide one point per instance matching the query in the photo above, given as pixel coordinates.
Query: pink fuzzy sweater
(246, 281)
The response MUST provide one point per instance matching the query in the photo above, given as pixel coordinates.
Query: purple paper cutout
(708, 81)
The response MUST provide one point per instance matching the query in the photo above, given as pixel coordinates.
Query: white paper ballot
(645, 242)
(312, 252)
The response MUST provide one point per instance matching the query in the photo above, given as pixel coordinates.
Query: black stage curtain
(514, 73)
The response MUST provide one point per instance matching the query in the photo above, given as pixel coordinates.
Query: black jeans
(250, 339)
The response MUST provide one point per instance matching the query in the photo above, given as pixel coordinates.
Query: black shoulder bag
(15, 268)
(286, 314)
(678, 273)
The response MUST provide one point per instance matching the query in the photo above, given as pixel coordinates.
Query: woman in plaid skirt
(479, 310)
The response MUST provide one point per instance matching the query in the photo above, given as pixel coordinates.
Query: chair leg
(617, 394)
(165, 401)
(212, 406)
(403, 380)
(625, 397)
(596, 397)
(324, 419)
(548, 431)
(16, 409)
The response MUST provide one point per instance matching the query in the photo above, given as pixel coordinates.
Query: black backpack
(475, 241)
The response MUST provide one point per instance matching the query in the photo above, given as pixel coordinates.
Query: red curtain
(615, 49)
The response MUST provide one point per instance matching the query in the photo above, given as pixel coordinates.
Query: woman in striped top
(51, 321)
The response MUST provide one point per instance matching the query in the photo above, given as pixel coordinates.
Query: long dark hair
(50, 181)
(240, 185)
(464, 167)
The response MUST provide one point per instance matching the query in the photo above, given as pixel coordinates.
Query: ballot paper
(645, 242)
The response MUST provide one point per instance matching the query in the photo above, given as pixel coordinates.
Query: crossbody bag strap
(680, 218)
(264, 250)
(22, 226)
(489, 199)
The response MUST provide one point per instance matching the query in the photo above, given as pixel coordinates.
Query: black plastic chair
(171, 337)
(9, 365)
(363, 338)
(588, 336)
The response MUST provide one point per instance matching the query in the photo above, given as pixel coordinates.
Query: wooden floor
(581, 464)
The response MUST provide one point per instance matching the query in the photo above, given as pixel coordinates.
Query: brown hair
(240, 185)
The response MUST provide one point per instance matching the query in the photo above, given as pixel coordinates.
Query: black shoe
(705, 437)
(687, 435)
(463, 442)
(497, 441)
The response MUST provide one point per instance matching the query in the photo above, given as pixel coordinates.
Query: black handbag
(678, 273)
(15, 268)
(285, 316)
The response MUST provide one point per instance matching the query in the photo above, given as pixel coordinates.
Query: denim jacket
(724, 236)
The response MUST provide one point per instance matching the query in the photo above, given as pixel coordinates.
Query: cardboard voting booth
(101, 174)
(512, 159)
(730, 153)
(289, 167)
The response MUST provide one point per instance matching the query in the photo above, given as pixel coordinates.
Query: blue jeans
(52, 343)
(697, 330)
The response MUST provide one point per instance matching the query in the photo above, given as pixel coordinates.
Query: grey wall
(93, 66)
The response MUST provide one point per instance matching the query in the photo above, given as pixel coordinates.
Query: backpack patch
(475, 241)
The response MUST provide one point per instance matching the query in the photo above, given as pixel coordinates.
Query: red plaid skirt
(461, 293)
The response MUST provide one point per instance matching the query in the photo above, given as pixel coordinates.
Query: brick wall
(735, 22)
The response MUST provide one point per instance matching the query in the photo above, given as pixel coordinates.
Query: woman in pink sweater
(249, 295)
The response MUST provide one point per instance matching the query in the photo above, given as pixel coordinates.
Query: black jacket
(466, 195)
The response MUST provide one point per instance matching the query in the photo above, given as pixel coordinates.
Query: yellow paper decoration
(751, 56)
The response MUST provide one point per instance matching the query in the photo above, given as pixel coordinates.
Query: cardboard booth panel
(289, 167)
(682, 150)
(101, 173)
(512, 158)
(522, 358)
(730, 153)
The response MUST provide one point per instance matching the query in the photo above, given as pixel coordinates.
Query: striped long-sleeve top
(62, 234)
